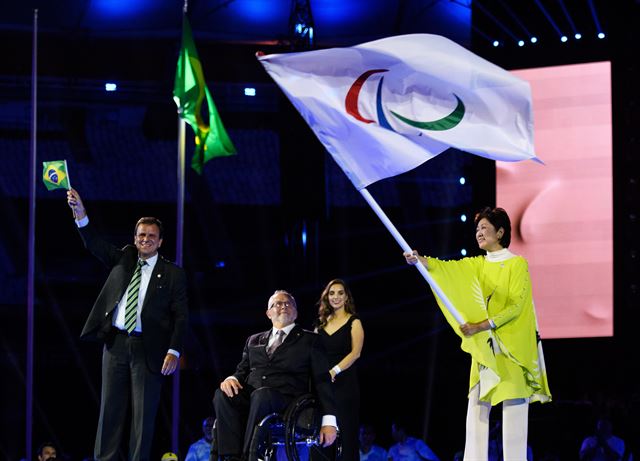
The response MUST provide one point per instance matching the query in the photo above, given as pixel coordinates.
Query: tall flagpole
(31, 239)
(405, 247)
(179, 237)
(175, 406)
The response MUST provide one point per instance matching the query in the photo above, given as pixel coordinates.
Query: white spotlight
(563, 38)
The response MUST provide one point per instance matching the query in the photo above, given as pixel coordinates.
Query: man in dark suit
(141, 315)
(276, 367)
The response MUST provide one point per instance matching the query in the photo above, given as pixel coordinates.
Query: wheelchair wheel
(263, 446)
(302, 422)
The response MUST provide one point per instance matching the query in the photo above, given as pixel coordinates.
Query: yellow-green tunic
(507, 362)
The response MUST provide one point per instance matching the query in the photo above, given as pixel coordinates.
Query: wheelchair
(292, 435)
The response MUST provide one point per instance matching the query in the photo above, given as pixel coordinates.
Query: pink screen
(562, 212)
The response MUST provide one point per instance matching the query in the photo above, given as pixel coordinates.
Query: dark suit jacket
(298, 360)
(164, 311)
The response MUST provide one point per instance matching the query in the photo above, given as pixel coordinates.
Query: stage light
(563, 38)
(463, 218)
(520, 42)
(515, 17)
(303, 236)
(255, 11)
(304, 31)
(551, 21)
(110, 86)
(576, 34)
(249, 91)
(596, 21)
(534, 39)
(485, 36)
(462, 180)
(499, 23)
(463, 252)
(301, 25)
(220, 264)
(105, 9)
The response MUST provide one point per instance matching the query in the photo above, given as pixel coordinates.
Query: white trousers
(515, 418)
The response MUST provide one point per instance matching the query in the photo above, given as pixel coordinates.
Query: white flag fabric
(384, 107)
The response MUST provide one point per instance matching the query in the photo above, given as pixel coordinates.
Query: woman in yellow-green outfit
(493, 294)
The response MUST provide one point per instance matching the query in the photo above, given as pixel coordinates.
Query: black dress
(347, 389)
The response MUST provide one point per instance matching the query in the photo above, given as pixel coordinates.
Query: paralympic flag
(385, 107)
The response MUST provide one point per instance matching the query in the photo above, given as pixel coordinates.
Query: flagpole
(179, 238)
(31, 240)
(405, 247)
(175, 398)
(181, 181)
(66, 170)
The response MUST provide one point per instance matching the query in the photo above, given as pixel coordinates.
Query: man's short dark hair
(46, 444)
(149, 220)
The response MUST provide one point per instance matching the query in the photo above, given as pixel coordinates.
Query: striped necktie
(131, 310)
(278, 341)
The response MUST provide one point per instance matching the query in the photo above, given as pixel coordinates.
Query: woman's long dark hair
(324, 307)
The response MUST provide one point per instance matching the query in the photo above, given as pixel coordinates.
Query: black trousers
(237, 416)
(126, 378)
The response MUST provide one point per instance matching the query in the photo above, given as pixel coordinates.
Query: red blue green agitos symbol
(351, 106)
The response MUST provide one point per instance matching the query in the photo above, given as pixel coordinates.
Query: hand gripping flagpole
(405, 247)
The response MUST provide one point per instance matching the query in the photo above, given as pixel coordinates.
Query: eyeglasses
(280, 304)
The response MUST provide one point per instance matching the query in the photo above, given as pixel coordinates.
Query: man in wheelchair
(276, 367)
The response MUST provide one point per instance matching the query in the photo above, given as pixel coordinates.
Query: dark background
(246, 215)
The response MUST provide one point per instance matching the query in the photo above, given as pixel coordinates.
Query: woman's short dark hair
(498, 218)
(149, 220)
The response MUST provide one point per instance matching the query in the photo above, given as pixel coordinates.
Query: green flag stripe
(189, 92)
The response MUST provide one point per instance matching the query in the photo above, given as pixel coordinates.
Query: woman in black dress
(342, 335)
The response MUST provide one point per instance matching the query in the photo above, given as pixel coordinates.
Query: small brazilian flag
(55, 176)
